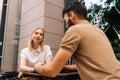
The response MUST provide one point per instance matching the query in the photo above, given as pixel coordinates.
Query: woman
(36, 52)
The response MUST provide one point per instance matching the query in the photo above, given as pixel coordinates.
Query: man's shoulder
(75, 28)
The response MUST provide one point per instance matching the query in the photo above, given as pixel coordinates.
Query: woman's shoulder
(46, 45)
(25, 49)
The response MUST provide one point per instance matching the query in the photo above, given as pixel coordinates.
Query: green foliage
(110, 19)
(116, 47)
(93, 10)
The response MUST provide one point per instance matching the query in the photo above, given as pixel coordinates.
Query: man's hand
(39, 67)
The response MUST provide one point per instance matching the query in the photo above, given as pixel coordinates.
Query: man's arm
(51, 70)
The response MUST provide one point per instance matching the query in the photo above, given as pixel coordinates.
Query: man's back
(94, 55)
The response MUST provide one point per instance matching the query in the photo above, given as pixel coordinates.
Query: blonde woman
(36, 52)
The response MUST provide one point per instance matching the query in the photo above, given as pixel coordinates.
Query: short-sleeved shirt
(91, 52)
(37, 55)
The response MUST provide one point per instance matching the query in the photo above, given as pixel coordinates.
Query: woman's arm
(57, 64)
(24, 67)
(69, 68)
(48, 60)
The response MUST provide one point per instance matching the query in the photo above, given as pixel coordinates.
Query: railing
(35, 76)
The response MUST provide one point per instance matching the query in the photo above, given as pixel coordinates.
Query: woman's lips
(37, 39)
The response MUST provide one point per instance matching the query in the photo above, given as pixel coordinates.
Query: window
(3, 7)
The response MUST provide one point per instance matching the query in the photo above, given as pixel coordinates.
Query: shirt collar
(37, 50)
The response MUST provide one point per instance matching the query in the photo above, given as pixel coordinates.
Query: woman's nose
(37, 35)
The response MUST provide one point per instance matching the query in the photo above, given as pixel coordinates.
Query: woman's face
(37, 36)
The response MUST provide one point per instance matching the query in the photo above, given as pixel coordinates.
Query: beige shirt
(92, 53)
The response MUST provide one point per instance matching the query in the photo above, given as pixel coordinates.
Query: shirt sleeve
(48, 51)
(22, 54)
(71, 40)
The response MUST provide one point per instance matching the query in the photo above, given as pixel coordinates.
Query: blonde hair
(41, 44)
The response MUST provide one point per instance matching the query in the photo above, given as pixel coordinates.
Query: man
(87, 45)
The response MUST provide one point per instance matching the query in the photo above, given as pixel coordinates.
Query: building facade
(21, 17)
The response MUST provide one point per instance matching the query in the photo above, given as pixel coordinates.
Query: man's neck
(82, 21)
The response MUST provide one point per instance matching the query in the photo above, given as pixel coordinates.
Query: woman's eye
(36, 32)
(41, 34)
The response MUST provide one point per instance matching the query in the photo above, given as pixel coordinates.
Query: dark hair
(78, 8)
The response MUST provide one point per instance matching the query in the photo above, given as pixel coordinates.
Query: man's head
(74, 12)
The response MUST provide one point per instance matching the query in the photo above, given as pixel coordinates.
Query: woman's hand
(19, 75)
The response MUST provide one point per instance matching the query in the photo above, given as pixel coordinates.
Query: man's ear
(72, 16)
